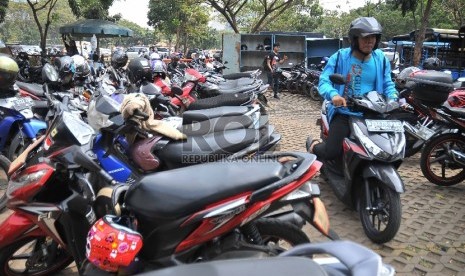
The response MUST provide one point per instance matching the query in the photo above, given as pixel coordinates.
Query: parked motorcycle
(27, 72)
(420, 121)
(212, 135)
(184, 215)
(366, 177)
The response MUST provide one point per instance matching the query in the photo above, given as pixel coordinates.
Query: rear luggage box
(431, 87)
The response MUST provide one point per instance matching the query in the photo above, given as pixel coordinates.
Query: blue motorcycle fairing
(30, 128)
(386, 174)
(115, 167)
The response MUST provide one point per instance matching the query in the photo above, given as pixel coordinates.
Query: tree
(3, 8)
(91, 9)
(184, 19)
(46, 7)
(266, 11)
(411, 5)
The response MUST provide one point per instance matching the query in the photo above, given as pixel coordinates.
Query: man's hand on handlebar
(339, 101)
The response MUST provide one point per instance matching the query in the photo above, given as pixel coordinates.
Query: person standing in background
(271, 64)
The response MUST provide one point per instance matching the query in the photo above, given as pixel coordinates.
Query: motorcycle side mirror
(176, 90)
(337, 79)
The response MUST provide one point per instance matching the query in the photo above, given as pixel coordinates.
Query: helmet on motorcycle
(142, 153)
(8, 71)
(65, 67)
(112, 243)
(432, 63)
(23, 55)
(139, 70)
(158, 68)
(81, 67)
(401, 79)
(362, 27)
(457, 98)
(119, 59)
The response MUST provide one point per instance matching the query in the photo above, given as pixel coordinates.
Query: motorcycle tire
(410, 140)
(314, 94)
(291, 87)
(435, 152)
(24, 257)
(4, 166)
(383, 222)
(283, 234)
(17, 146)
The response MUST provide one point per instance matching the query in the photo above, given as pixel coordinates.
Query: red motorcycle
(201, 212)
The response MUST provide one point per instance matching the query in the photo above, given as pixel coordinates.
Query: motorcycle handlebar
(142, 114)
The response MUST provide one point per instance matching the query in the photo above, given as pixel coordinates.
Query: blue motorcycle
(18, 127)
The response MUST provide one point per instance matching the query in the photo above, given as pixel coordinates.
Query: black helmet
(119, 59)
(139, 70)
(65, 67)
(432, 63)
(8, 71)
(81, 67)
(362, 27)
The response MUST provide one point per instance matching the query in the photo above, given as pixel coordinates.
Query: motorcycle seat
(457, 112)
(216, 90)
(234, 76)
(206, 148)
(33, 88)
(216, 124)
(179, 192)
(235, 83)
(206, 114)
(235, 99)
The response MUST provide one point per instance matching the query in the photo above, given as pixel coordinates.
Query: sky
(136, 10)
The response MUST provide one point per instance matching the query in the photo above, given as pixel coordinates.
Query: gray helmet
(362, 27)
(432, 63)
(402, 78)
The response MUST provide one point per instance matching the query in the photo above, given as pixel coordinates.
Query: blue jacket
(327, 90)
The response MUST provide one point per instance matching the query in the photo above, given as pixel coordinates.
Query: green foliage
(90, 9)
(3, 8)
(19, 25)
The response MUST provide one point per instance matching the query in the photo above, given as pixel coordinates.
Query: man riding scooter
(363, 70)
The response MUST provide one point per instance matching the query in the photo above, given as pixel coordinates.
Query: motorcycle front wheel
(380, 211)
(437, 164)
(33, 256)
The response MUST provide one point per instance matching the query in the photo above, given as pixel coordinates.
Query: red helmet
(111, 245)
(457, 98)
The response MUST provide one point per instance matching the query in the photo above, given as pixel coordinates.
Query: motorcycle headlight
(369, 145)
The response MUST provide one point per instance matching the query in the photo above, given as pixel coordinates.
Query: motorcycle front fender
(386, 174)
(32, 127)
(17, 226)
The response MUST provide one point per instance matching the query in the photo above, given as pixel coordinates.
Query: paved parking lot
(431, 240)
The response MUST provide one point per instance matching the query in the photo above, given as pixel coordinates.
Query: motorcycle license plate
(384, 125)
(21, 104)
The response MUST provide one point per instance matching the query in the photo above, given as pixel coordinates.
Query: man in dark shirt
(270, 67)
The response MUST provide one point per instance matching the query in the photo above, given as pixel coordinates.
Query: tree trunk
(420, 35)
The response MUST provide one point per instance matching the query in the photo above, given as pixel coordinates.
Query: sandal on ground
(310, 144)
